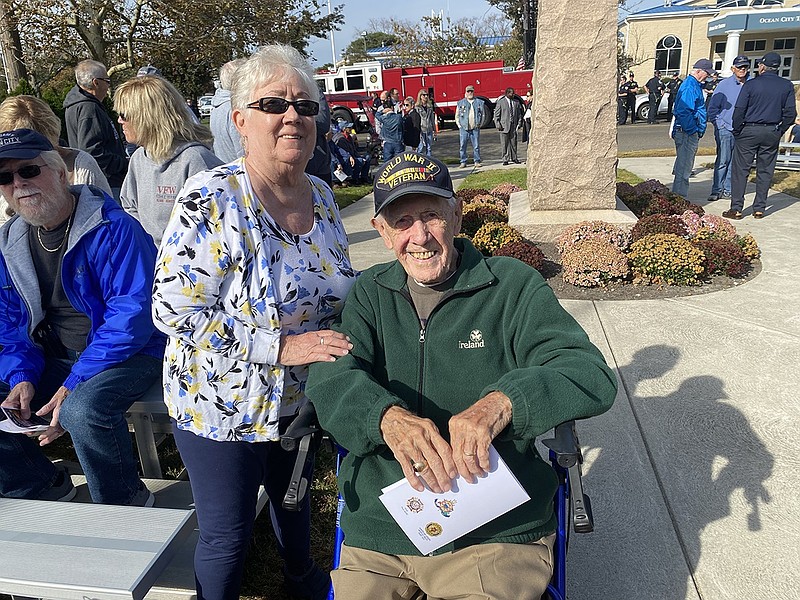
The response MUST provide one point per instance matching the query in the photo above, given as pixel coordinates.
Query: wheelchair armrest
(305, 423)
(305, 434)
(565, 445)
(566, 450)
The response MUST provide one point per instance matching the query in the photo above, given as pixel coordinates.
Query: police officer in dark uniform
(655, 89)
(672, 91)
(622, 101)
(630, 100)
(765, 110)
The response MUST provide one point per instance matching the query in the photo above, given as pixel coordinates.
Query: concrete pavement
(693, 473)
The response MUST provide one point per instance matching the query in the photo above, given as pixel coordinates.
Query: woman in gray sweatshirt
(172, 148)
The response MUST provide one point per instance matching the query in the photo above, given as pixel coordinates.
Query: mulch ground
(627, 291)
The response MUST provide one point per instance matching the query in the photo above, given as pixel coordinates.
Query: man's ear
(380, 227)
(458, 215)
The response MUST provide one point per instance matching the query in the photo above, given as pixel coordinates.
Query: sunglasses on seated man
(278, 106)
(26, 172)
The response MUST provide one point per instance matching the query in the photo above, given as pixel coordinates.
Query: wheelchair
(571, 505)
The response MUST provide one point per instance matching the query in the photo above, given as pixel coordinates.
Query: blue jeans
(392, 149)
(425, 142)
(225, 478)
(94, 415)
(359, 171)
(685, 149)
(474, 137)
(722, 165)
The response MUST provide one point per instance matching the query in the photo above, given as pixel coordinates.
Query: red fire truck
(445, 83)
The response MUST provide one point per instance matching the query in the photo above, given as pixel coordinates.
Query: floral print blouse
(229, 282)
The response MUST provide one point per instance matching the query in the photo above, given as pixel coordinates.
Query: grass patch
(663, 152)
(492, 177)
(625, 176)
(345, 196)
(787, 182)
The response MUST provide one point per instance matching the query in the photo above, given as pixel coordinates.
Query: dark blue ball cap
(410, 173)
(771, 59)
(23, 144)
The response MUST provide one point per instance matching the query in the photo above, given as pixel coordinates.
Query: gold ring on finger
(469, 454)
(419, 467)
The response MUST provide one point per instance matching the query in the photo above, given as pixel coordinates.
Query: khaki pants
(483, 572)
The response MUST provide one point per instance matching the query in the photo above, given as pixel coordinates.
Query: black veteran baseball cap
(411, 173)
(23, 144)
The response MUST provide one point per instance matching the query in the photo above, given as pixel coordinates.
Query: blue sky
(357, 13)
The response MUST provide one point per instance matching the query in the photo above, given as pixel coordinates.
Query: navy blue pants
(758, 141)
(225, 478)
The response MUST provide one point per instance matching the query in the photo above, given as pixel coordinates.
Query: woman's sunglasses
(26, 172)
(278, 106)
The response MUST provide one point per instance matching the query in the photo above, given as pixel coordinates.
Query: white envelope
(433, 520)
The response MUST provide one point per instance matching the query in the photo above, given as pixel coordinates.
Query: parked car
(643, 105)
(204, 105)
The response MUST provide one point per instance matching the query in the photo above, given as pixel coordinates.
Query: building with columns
(671, 37)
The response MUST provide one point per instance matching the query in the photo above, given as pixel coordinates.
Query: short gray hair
(268, 64)
(227, 72)
(53, 160)
(87, 71)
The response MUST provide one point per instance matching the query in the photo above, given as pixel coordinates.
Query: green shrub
(724, 257)
(492, 236)
(593, 230)
(526, 251)
(665, 258)
(475, 215)
(659, 223)
(625, 191)
(593, 262)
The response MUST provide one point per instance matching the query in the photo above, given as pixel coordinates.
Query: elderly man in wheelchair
(452, 352)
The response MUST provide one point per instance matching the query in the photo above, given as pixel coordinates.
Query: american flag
(521, 63)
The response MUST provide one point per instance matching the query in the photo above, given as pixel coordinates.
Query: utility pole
(530, 15)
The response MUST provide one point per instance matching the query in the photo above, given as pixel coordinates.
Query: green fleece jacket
(499, 328)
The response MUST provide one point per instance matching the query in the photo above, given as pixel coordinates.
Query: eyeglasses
(122, 116)
(106, 79)
(424, 95)
(278, 106)
(745, 67)
(406, 104)
(26, 172)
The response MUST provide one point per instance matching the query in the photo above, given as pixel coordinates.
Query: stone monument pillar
(572, 152)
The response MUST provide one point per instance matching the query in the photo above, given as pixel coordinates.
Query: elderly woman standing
(172, 148)
(253, 269)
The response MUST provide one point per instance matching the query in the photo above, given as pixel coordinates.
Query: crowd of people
(213, 264)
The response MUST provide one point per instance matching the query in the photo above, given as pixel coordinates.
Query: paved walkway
(694, 472)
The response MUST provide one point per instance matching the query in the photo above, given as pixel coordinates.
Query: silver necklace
(63, 240)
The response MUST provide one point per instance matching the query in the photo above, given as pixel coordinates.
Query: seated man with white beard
(77, 343)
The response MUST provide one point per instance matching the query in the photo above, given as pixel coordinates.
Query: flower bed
(674, 243)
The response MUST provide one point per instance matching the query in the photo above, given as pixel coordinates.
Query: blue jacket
(689, 109)
(462, 113)
(391, 127)
(767, 99)
(107, 274)
(723, 101)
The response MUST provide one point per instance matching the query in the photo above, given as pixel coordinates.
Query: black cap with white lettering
(411, 173)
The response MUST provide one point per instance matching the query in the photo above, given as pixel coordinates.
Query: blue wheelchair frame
(572, 507)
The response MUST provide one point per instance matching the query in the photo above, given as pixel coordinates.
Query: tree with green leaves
(181, 37)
